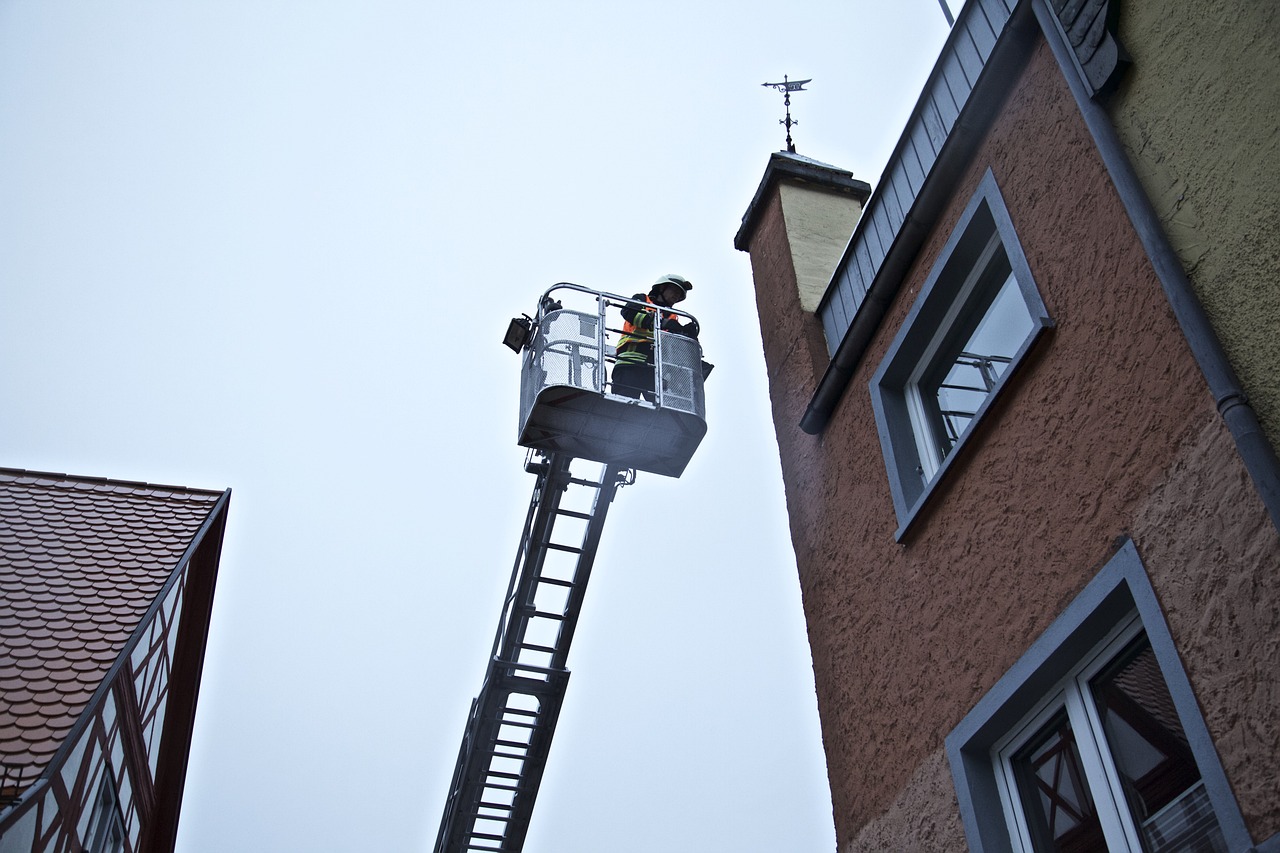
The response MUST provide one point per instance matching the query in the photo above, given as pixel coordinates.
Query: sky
(273, 246)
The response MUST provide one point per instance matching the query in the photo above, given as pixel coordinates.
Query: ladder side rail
(508, 675)
(538, 488)
(522, 785)
(551, 698)
(474, 774)
(512, 723)
(539, 747)
(472, 763)
(530, 555)
(612, 477)
(535, 552)
(451, 803)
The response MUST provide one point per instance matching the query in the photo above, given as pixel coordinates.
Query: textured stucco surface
(1197, 113)
(1222, 609)
(1107, 430)
(925, 812)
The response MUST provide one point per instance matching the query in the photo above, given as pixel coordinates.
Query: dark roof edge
(107, 481)
(990, 89)
(785, 164)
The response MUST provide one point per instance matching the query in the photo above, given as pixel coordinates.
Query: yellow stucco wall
(1199, 113)
(819, 223)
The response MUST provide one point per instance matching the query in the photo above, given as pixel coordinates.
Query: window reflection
(1149, 747)
(980, 349)
(1055, 796)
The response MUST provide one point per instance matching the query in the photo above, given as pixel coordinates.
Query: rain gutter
(1233, 404)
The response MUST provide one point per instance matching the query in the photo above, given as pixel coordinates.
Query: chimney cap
(797, 167)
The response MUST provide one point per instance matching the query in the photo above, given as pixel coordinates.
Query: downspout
(1233, 405)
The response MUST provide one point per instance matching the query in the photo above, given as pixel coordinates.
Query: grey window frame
(1119, 591)
(985, 216)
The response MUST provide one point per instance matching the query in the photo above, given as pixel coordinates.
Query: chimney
(795, 230)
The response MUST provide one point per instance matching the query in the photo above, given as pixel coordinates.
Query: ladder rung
(519, 712)
(496, 820)
(566, 548)
(478, 816)
(516, 724)
(517, 744)
(545, 614)
(555, 581)
(497, 754)
(572, 513)
(578, 481)
(532, 724)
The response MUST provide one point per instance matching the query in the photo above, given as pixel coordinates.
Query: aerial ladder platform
(568, 412)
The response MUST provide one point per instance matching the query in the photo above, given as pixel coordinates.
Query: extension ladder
(512, 720)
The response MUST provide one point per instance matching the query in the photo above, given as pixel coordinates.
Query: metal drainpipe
(1233, 404)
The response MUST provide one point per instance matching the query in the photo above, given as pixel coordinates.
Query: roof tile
(81, 560)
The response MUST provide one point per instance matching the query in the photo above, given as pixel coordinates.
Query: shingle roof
(81, 560)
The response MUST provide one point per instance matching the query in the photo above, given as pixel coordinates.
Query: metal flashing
(784, 164)
(920, 174)
(1089, 28)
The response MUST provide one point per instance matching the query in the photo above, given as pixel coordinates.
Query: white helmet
(678, 280)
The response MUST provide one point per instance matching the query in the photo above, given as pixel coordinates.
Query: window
(976, 317)
(1106, 765)
(106, 827)
(1093, 740)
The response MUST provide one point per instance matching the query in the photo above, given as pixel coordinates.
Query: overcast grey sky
(273, 246)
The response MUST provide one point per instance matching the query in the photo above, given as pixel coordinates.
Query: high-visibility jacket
(635, 346)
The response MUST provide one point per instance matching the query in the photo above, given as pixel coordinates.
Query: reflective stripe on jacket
(635, 346)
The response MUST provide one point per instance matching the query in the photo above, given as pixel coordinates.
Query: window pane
(977, 354)
(1055, 797)
(106, 825)
(1161, 781)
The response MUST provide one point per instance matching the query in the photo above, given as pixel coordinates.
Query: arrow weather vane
(786, 87)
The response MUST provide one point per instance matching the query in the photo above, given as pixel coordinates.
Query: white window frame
(913, 459)
(1095, 755)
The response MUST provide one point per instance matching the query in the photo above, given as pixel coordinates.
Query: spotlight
(518, 333)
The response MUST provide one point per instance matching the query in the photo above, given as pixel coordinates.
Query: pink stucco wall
(1106, 431)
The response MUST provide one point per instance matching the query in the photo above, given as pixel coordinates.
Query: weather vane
(786, 87)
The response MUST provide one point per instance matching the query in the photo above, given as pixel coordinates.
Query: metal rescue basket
(567, 401)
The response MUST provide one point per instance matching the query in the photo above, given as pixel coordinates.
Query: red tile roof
(81, 560)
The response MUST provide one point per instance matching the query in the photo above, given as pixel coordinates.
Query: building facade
(1194, 115)
(106, 591)
(1036, 538)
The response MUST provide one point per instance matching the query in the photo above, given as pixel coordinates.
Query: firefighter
(633, 372)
